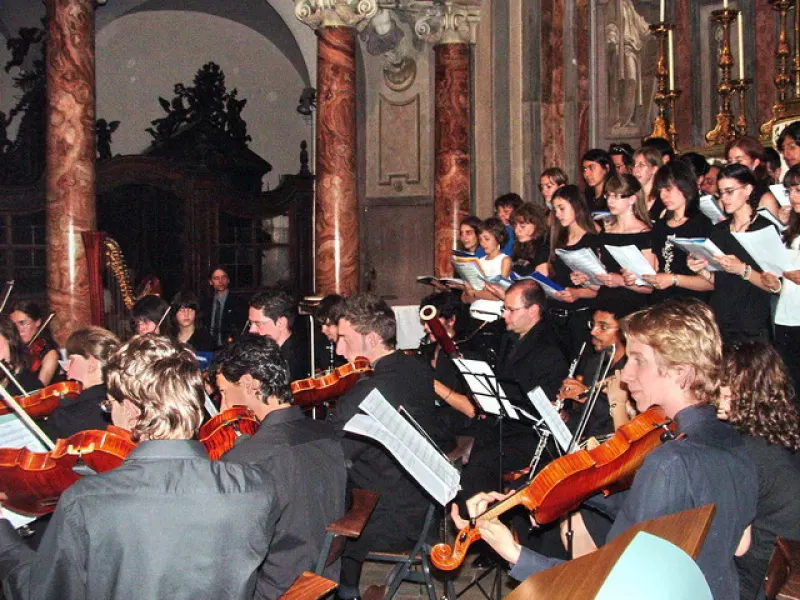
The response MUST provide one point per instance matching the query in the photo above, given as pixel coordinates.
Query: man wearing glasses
(606, 333)
(529, 357)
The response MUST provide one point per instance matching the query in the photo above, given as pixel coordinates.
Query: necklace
(740, 228)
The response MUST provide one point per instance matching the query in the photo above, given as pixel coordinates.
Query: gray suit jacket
(167, 523)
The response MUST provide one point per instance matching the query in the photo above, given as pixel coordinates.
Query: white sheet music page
(766, 248)
(632, 259)
(14, 434)
(485, 389)
(585, 261)
(545, 408)
(416, 454)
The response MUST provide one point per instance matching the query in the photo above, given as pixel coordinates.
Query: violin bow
(41, 329)
(20, 412)
(7, 295)
(12, 379)
(164, 316)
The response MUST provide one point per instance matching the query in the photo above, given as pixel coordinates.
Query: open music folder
(414, 451)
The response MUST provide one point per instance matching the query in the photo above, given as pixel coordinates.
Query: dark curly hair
(261, 358)
(275, 303)
(762, 396)
(330, 309)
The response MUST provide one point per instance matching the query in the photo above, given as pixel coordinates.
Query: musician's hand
(730, 264)
(578, 278)
(611, 280)
(793, 276)
(660, 281)
(770, 280)
(568, 295)
(497, 535)
(3, 498)
(696, 264)
(495, 290)
(572, 388)
(628, 277)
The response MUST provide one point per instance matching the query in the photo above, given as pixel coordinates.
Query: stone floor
(376, 573)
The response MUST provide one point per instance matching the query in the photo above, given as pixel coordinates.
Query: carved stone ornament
(336, 13)
(447, 22)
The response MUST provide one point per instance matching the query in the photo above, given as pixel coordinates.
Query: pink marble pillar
(70, 178)
(336, 198)
(451, 199)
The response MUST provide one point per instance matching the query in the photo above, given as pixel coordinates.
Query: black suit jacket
(532, 360)
(306, 460)
(234, 315)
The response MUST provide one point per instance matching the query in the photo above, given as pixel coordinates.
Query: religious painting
(625, 62)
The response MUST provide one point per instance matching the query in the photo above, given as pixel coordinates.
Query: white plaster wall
(141, 56)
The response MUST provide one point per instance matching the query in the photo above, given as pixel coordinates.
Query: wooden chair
(783, 574)
(349, 526)
(406, 562)
(581, 578)
(309, 586)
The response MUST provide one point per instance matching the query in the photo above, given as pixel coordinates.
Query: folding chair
(417, 557)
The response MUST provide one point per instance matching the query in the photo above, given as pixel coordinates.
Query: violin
(34, 481)
(219, 433)
(314, 391)
(44, 401)
(564, 483)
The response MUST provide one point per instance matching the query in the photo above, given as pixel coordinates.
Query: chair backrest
(783, 574)
(349, 526)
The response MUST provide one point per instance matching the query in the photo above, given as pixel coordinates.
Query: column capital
(448, 22)
(336, 13)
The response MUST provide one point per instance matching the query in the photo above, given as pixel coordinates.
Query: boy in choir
(303, 455)
(168, 522)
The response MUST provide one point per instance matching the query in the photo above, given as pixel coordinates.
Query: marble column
(336, 202)
(452, 29)
(70, 175)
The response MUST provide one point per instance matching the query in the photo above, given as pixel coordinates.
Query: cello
(562, 485)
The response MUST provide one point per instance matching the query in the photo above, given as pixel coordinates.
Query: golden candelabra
(782, 54)
(725, 130)
(661, 124)
(672, 97)
(740, 86)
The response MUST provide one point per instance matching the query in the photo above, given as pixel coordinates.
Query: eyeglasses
(728, 192)
(506, 309)
(601, 326)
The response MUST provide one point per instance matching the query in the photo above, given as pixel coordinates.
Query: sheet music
(14, 434)
(485, 389)
(781, 194)
(632, 259)
(545, 408)
(470, 271)
(550, 287)
(765, 212)
(420, 458)
(710, 208)
(585, 261)
(699, 247)
(766, 248)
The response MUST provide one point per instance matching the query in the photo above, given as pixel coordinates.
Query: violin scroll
(447, 558)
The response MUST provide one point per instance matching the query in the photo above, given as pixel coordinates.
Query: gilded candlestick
(725, 130)
(661, 97)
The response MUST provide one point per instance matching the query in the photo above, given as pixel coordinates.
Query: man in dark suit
(225, 314)
(168, 522)
(367, 328)
(272, 314)
(530, 357)
(303, 455)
